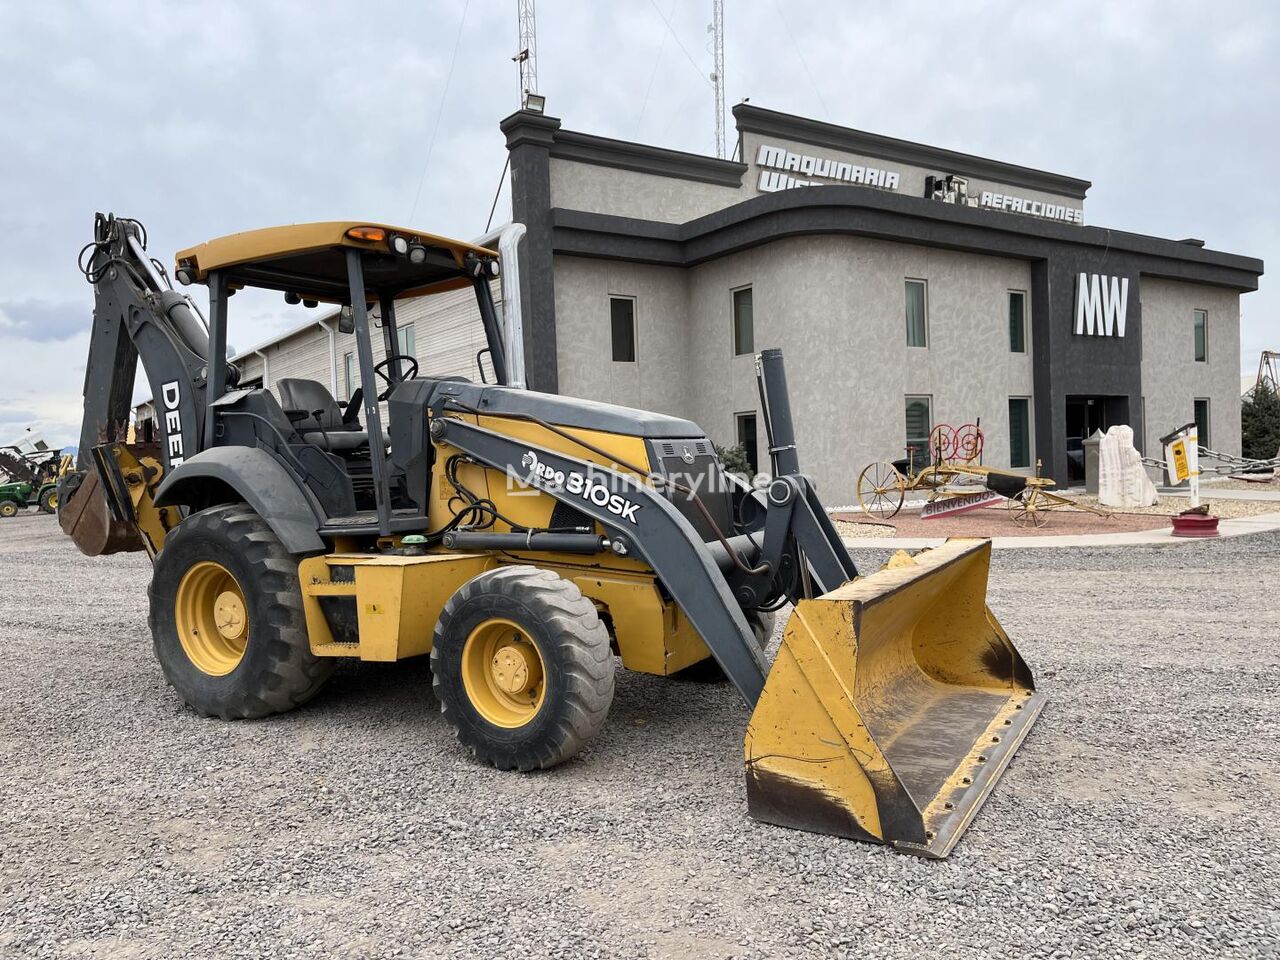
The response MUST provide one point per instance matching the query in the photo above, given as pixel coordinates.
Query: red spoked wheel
(942, 442)
(968, 443)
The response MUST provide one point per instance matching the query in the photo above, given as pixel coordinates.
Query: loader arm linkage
(657, 532)
(795, 552)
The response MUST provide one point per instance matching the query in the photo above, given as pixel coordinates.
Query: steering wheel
(383, 372)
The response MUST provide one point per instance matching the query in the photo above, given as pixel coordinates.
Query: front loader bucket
(894, 704)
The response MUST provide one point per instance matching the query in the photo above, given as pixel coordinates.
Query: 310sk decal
(572, 482)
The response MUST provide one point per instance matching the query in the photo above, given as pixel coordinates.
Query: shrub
(1260, 423)
(734, 460)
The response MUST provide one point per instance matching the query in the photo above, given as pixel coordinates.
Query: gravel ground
(1132, 823)
(1232, 483)
(1218, 506)
(996, 521)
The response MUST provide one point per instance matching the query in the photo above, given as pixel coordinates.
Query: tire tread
(580, 637)
(292, 675)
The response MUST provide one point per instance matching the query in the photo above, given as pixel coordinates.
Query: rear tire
(522, 667)
(227, 620)
(49, 501)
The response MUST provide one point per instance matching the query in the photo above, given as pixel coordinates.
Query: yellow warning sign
(1178, 460)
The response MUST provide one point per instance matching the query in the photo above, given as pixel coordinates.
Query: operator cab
(353, 470)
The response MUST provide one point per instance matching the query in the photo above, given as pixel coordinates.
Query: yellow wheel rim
(53, 501)
(503, 673)
(212, 618)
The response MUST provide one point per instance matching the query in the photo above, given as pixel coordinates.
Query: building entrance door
(1086, 414)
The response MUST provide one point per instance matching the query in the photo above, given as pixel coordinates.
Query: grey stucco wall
(629, 193)
(836, 306)
(658, 380)
(1172, 378)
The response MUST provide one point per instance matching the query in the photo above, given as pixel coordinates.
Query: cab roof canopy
(309, 260)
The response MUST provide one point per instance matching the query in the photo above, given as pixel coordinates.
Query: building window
(919, 425)
(744, 333)
(622, 321)
(1202, 421)
(1019, 432)
(747, 438)
(1017, 321)
(917, 317)
(1202, 336)
(406, 341)
(350, 378)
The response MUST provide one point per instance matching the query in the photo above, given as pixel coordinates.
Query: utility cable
(683, 49)
(497, 193)
(444, 94)
(803, 62)
(657, 62)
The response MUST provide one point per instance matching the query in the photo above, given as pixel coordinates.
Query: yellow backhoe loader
(526, 542)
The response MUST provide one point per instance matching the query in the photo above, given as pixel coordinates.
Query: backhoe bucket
(85, 516)
(894, 704)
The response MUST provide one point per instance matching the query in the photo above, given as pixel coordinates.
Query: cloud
(42, 382)
(42, 320)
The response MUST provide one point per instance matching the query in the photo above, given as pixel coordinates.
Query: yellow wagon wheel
(1026, 512)
(881, 489)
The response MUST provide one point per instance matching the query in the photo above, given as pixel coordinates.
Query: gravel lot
(1133, 822)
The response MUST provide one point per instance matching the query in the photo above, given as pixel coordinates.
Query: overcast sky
(201, 119)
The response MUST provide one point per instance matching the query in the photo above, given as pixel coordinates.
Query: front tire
(522, 667)
(226, 617)
(8, 508)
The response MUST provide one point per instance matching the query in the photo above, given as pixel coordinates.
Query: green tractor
(14, 497)
(17, 495)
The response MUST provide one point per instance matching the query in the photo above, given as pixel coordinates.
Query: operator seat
(315, 415)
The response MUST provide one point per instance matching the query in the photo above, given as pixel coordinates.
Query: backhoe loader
(525, 542)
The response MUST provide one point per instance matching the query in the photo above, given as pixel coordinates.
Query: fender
(255, 477)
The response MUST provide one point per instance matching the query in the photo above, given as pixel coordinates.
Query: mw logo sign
(1102, 303)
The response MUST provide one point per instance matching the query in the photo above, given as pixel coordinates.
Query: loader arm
(137, 316)
(793, 554)
(641, 521)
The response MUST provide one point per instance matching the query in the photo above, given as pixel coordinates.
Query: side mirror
(346, 320)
